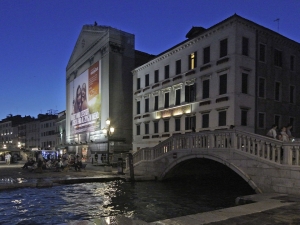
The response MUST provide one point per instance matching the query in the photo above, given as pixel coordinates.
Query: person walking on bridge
(272, 132)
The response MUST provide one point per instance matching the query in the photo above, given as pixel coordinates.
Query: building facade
(99, 87)
(234, 73)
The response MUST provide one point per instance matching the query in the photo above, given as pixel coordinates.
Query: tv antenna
(277, 20)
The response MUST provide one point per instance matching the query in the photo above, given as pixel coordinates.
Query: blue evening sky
(37, 37)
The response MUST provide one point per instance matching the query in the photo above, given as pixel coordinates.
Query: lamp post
(109, 132)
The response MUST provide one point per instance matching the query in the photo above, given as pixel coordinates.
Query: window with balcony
(190, 122)
(166, 125)
(244, 117)
(190, 93)
(155, 124)
(147, 105)
(178, 97)
(156, 102)
(167, 94)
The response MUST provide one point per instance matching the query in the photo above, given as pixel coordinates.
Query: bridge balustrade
(257, 145)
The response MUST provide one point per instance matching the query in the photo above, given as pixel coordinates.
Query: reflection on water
(147, 201)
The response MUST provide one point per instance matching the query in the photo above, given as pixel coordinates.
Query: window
(138, 107)
(277, 120)
(178, 67)
(146, 128)
(166, 126)
(138, 129)
(190, 122)
(277, 58)
(147, 105)
(223, 48)
(244, 83)
(205, 89)
(177, 124)
(292, 59)
(245, 46)
(156, 76)
(262, 52)
(261, 88)
(177, 94)
(206, 55)
(193, 60)
(222, 118)
(156, 102)
(147, 80)
(155, 124)
(223, 84)
(292, 94)
(190, 93)
(244, 115)
(167, 99)
(205, 120)
(167, 71)
(277, 91)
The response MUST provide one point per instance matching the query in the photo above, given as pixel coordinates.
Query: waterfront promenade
(265, 209)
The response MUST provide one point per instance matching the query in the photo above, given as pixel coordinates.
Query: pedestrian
(96, 158)
(272, 132)
(285, 137)
(8, 158)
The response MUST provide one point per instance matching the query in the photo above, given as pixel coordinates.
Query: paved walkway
(265, 209)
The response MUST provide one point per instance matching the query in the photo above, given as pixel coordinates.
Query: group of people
(56, 164)
(283, 135)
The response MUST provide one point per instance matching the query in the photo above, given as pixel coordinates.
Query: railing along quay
(265, 148)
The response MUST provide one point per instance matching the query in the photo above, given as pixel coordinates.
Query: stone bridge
(266, 164)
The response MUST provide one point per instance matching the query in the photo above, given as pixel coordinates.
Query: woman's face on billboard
(78, 97)
(83, 91)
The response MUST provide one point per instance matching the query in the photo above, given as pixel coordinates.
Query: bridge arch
(215, 158)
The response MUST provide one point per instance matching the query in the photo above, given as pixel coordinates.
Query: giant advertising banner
(85, 101)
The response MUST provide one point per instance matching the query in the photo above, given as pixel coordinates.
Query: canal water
(146, 201)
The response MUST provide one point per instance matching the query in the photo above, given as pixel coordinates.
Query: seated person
(77, 165)
(30, 162)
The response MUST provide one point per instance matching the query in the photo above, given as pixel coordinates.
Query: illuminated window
(193, 60)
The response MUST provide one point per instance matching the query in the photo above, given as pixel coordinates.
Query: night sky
(37, 37)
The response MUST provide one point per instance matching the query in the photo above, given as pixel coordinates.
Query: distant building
(13, 134)
(234, 73)
(61, 132)
(99, 87)
(48, 131)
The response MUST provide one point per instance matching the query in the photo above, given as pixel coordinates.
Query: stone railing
(263, 147)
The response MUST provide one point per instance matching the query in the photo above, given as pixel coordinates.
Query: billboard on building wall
(85, 101)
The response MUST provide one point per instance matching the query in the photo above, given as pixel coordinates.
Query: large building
(99, 87)
(236, 73)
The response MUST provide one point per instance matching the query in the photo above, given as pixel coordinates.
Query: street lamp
(109, 130)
